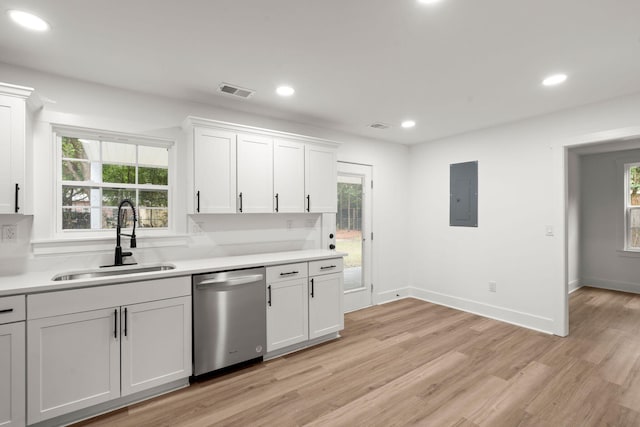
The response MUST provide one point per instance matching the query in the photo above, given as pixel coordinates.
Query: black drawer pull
(269, 302)
(327, 267)
(312, 289)
(198, 205)
(115, 327)
(125, 322)
(6, 310)
(289, 273)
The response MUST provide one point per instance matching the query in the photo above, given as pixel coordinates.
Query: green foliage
(634, 179)
(155, 176)
(349, 215)
(120, 174)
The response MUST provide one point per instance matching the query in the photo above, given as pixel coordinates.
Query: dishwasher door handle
(233, 281)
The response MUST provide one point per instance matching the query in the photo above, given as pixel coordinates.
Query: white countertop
(41, 281)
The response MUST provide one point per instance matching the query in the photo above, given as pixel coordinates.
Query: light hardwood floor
(414, 363)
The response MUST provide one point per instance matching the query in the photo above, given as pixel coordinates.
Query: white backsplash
(209, 236)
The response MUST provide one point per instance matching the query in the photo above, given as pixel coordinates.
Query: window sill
(104, 243)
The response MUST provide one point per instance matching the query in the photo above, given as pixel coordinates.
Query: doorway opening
(353, 233)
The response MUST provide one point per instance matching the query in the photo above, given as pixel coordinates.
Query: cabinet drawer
(12, 309)
(326, 266)
(279, 273)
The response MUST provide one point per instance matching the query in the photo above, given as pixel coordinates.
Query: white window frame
(628, 208)
(60, 131)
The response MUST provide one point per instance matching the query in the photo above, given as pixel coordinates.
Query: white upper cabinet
(255, 174)
(242, 169)
(214, 157)
(13, 143)
(321, 179)
(288, 176)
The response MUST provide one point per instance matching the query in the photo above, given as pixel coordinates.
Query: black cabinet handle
(308, 203)
(115, 327)
(277, 202)
(269, 301)
(125, 322)
(327, 267)
(289, 273)
(198, 201)
(312, 289)
(240, 202)
(6, 310)
(17, 190)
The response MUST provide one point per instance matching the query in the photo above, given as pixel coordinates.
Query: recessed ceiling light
(429, 1)
(28, 20)
(554, 80)
(285, 91)
(408, 124)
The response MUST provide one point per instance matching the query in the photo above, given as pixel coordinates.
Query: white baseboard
(392, 295)
(613, 285)
(518, 318)
(574, 285)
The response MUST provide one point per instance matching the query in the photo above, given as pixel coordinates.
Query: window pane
(113, 196)
(155, 176)
(153, 156)
(114, 152)
(110, 217)
(78, 196)
(349, 229)
(634, 185)
(634, 228)
(76, 171)
(156, 218)
(76, 218)
(153, 199)
(119, 174)
(75, 148)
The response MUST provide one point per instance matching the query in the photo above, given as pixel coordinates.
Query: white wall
(521, 192)
(78, 103)
(603, 261)
(573, 220)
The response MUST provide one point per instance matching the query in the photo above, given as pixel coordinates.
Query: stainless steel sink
(112, 271)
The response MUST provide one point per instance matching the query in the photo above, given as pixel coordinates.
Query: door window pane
(349, 229)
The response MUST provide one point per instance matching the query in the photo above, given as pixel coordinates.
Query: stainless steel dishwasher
(229, 318)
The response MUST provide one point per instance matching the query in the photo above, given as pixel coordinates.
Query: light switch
(549, 230)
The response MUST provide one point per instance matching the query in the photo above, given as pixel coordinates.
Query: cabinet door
(326, 314)
(287, 313)
(12, 374)
(255, 174)
(214, 171)
(321, 179)
(73, 362)
(288, 176)
(156, 343)
(12, 149)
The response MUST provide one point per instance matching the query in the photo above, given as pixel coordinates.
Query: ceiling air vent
(235, 90)
(379, 125)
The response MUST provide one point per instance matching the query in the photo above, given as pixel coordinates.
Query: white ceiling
(452, 67)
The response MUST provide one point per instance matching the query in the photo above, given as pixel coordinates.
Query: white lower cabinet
(304, 302)
(12, 373)
(287, 313)
(74, 362)
(326, 313)
(97, 354)
(156, 343)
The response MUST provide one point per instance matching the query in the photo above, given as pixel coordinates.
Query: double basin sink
(111, 271)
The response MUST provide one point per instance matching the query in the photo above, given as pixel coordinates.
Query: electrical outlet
(289, 224)
(493, 287)
(10, 233)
